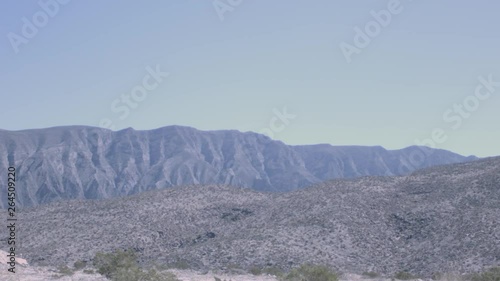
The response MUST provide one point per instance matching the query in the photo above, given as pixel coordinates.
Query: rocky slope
(441, 219)
(93, 163)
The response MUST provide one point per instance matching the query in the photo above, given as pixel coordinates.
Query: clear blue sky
(231, 69)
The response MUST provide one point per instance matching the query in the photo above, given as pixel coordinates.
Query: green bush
(122, 266)
(108, 264)
(311, 273)
(65, 271)
(79, 265)
(403, 275)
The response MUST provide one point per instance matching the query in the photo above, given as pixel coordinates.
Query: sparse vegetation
(78, 265)
(122, 266)
(311, 273)
(493, 274)
(255, 270)
(64, 271)
(107, 264)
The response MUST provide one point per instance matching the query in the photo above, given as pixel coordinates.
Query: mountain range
(78, 162)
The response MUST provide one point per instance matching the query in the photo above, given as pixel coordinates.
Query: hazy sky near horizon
(413, 77)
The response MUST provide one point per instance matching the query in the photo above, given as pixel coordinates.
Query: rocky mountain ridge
(78, 162)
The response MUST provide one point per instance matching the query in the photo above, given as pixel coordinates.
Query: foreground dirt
(27, 273)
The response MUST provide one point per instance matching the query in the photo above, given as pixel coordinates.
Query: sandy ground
(193, 276)
(24, 272)
(44, 274)
(4, 259)
(41, 274)
(187, 275)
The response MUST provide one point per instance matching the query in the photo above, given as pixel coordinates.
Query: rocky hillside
(93, 163)
(441, 219)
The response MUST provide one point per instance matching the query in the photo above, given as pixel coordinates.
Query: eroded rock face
(441, 219)
(92, 163)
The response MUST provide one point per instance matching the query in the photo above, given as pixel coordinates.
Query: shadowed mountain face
(92, 163)
(441, 219)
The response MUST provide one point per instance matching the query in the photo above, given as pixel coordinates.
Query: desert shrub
(122, 266)
(403, 275)
(108, 264)
(311, 273)
(65, 271)
(133, 273)
(371, 274)
(79, 265)
(493, 274)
